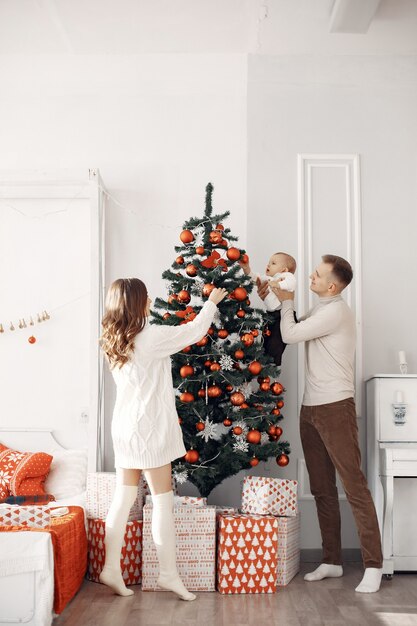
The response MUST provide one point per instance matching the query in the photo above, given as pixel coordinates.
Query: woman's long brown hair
(124, 318)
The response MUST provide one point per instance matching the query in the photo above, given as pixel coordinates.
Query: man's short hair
(341, 269)
(289, 261)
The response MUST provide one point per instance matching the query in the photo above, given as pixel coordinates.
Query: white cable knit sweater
(145, 427)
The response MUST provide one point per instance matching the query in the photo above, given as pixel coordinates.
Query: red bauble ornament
(275, 412)
(210, 331)
(264, 386)
(184, 296)
(280, 404)
(187, 397)
(215, 237)
(32, 339)
(165, 316)
(186, 236)
(239, 354)
(219, 227)
(278, 431)
(227, 422)
(202, 342)
(271, 430)
(263, 379)
(223, 333)
(282, 460)
(245, 258)
(192, 456)
(237, 398)
(215, 367)
(201, 393)
(207, 363)
(255, 332)
(253, 436)
(186, 349)
(237, 430)
(172, 298)
(240, 313)
(186, 370)
(200, 426)
(267, 332)
(207, 289)
(179, 260)
(244, 406)
(240, 294)
(214, 391)
(233, 254)
(229, 387)
(191, 270)
(277, 389)
(255, 367)
(223, 243)
(254, 461)
(199, 250)
(247, 339)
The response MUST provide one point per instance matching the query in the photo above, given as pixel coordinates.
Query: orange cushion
(22, 473)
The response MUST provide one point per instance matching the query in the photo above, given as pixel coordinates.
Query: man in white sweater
(328, 427)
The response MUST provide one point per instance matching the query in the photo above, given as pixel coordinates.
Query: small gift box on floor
(247, 554)
(269, 496)
(195, 526)
(288, 549)
(100, 491)
(131, 555)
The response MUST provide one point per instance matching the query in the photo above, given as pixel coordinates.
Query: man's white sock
(116, 520)
(371, 580)
(163, 533)
(325, 570)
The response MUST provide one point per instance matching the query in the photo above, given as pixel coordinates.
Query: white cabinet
(392, 465)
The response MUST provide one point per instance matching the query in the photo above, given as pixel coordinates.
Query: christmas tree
(229, 399)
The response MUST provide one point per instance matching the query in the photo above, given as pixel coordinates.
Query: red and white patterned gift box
(131, 554)
(247, 554)
(195, 528)
(269, 496)
(100, 491)
(29, 516)
(288, 549)
(178, 500)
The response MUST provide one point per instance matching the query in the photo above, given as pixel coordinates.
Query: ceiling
(274, 27)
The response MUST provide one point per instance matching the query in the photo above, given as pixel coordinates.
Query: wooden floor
(330, 602)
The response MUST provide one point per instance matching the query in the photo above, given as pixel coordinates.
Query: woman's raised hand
(217, 295)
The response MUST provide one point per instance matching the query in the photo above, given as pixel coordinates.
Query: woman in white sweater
(145, 429)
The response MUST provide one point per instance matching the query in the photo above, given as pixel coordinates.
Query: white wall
(159, 127)
(356, 104)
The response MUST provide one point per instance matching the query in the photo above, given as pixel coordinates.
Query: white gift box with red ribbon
(269, 496)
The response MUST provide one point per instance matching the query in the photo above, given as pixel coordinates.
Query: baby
(281, 266)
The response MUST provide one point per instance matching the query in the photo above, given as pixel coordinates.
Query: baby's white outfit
(272, 302)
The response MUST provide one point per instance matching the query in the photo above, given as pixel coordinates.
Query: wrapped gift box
(269, 496)
(100, 491)
(288, 549)
(195, 526)
(131, 555)
(247, 554)
(31, 516)
(192, 500)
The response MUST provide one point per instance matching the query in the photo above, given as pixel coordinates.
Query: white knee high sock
(325, 570)
(371, 580)
(116, 520)
(163, 533)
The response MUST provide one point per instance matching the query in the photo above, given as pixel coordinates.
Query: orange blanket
(69, 542)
